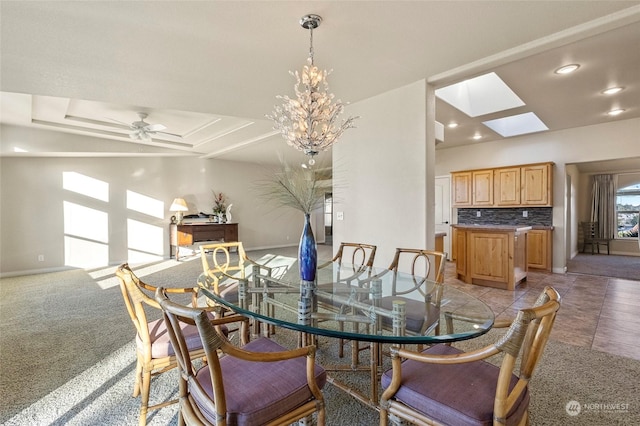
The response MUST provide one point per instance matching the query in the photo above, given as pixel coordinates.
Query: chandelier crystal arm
(309, 122)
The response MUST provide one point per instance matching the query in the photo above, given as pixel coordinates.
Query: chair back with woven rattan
(525, 341)
(356, 254)
(217, 259)
(424, 266)
(195, 401)
(138, 297)
(220, 267)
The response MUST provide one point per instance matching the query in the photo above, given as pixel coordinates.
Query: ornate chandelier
(309, 122)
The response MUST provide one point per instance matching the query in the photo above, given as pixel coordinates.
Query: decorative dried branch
(295, 187)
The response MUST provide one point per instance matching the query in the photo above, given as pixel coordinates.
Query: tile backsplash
(536, 216)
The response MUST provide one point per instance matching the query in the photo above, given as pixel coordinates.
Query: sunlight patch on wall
(142, 257)
(81, 253)
(142, 237)
(85, 185)
(86, 236)
(85, 222)
(146, 205)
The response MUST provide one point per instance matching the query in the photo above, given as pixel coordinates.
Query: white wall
(571, 205)
(618, 139)
(379, 172)
(32, 197)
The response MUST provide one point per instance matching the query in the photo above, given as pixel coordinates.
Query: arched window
(628, 210)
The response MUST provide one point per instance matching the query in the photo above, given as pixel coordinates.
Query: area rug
(625, 267)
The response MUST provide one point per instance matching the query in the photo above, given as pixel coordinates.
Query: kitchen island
(491, 255)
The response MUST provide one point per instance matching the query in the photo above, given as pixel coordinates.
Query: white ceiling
(210, 71)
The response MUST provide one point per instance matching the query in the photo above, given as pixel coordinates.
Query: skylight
(481, 95)
(515, 125)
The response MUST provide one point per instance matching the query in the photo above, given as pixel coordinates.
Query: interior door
(443, 210)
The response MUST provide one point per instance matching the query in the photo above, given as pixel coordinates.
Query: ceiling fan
(141, 130)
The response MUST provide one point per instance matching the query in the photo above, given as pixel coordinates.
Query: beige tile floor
(599, 313)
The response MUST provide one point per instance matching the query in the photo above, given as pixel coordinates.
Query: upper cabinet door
(483, 187)
(507, 186)
(536, 185)
(516, 186)
(461, 183)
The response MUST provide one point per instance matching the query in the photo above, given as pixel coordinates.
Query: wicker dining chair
(425, 266)
(261, 383)
(223, 269)
(154, 352)
(222, 273)
(359, 256)
(446, 386)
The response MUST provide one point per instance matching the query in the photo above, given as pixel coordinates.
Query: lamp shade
(178, 205)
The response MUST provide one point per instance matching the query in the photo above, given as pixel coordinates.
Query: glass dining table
(357, 303)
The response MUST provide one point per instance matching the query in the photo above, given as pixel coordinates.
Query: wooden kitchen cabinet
(491, 255)
(536, 185)
(540, 249)
(482, 187)
(459, 248)
(461, 185)
(507, 186)
(528, 185)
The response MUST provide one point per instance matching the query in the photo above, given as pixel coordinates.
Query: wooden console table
(187, 235)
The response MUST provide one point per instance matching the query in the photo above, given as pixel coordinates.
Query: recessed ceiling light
(452, 125)
(617, 111)
(612, 90)
(567, 69)
(477, 136)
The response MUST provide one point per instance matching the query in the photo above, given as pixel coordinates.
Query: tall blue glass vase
(307, 252)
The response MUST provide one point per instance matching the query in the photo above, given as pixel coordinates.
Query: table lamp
(179, 205)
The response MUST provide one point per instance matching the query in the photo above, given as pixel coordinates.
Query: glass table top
(352, 302)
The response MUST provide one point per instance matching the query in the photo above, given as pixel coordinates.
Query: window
(628, 210)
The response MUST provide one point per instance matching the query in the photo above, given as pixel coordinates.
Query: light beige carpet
(67, 357)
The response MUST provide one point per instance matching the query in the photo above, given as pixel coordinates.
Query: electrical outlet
(525, 213)
(41, 258)
(478, 214)
(339, 215)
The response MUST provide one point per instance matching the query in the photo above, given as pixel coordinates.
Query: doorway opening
(328, 218)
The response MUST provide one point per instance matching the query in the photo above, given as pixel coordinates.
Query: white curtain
(603, 205)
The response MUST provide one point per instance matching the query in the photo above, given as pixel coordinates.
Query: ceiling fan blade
(154, 127)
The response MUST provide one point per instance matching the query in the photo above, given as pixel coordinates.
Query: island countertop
(518, 228)
(491, 255)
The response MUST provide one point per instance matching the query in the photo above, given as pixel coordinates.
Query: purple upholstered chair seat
(160, 343)
(460, 394)
(229, 291)
(257, 392)
(426, 317)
